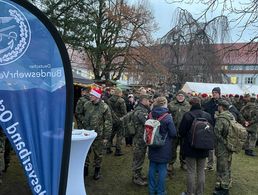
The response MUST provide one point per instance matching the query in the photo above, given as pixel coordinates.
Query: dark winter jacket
(211, 107)
(184, 132)
(129, 105)
(236, 113)
(163, 154)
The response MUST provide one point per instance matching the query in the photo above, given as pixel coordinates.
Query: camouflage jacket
(97, 117)
(250, 114)
(238, 104)
(221, 129)
(117, 106)
(79, 107)
(140, 116)
(177, 110)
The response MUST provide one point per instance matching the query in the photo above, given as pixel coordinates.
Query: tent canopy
(190, 87)
(251, 89)
(81, 81)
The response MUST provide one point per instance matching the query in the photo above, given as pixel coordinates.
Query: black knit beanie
(217, 89)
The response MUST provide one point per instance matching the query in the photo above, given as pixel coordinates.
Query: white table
(80, 145)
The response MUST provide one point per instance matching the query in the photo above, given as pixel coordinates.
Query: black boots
(118, 152)
(139, 181)
(250, 153)
(220, 191)
(96, 175)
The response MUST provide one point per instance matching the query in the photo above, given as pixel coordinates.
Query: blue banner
(35, 95)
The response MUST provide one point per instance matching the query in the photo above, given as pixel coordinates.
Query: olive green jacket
(177, 110)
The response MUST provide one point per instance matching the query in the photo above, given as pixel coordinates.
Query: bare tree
(192, 55)
(243, 14)
(243, 19)
(147, 67)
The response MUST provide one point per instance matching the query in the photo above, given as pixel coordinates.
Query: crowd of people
(104, 112)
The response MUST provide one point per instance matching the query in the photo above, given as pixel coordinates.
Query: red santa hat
(96, 92)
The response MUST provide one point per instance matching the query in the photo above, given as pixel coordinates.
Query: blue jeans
(157, 176)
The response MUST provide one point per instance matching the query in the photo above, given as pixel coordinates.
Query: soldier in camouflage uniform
(97, 117)
(2, 150)
(118, 108)
(237, 102)
(250, 113)
(79, 106)
(178, 108)
(224, 156)
(139, 146)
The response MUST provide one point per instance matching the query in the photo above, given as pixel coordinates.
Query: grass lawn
(116, 178)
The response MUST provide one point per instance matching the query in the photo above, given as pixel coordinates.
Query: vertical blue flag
(35, 95)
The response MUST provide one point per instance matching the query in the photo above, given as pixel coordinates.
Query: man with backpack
(118, 109)
(198, 138)
(222, 152)
(139, 146)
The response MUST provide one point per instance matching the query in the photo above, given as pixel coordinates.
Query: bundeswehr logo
(15, 33)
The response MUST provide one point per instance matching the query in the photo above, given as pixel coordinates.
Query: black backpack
(201, 135)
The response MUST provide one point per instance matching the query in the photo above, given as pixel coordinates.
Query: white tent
(190, 87)
(251, 89)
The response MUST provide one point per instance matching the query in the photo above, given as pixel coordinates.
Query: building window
(249, 80)
(251, 67)
(235, 67)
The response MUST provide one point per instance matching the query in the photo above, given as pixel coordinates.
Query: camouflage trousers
(224, 160)
(251, 141)
(139, 152)
(117, 131)
(210, 161)
(2, 151)
(97, 149)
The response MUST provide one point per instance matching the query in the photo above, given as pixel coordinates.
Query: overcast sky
(163, 13)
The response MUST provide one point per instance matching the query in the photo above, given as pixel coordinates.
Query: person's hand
(216, 114)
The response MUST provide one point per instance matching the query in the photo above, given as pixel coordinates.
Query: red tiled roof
(238, 53)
